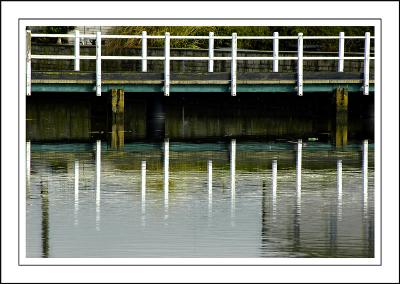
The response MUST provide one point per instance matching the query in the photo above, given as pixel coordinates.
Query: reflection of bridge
(267, 216)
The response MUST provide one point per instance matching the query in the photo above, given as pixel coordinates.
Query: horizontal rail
(233, 58)
(190, 37)
(193, 58)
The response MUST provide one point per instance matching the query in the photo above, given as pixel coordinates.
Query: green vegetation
(323, 45)
(53, 30)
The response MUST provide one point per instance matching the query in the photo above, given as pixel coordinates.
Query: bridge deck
(67, 81)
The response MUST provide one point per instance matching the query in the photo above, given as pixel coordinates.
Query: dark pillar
(117, 119)
(341, 121)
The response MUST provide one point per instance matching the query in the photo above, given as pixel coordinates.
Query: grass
(324, 45)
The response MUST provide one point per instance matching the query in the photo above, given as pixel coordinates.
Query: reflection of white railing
(98, 171)
(210, 58)
(28, 163)
(209, 169)
(76, 192)
(233, 179)
(274, 186)
(365, 175)
(166, 177)
(143, 191)
(339, 185)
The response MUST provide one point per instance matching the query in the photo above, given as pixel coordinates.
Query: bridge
(231, 81)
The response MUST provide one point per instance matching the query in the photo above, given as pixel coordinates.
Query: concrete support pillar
(117, 119)
(341, 121)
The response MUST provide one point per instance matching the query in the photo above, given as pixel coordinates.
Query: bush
(323, 45)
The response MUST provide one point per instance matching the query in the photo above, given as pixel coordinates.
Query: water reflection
(233, 179)
(274, 187)
(305, 221)
(98, 174)
(44, 193)
(166, 177)
(143, 192)
(209, 183)
(365, 175)
(339, 189)
(28, 164)
(297, 214)
(76, 192)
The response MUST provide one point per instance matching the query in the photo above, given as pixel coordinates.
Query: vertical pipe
(276, 52)
(209, 167)
(339, 188)
(28, 62)
(98, 170)
(341, 52)
(98, 63)
(300, 65)
(366, 63)
(28, 162)
(211, 52)
(274, 186)
(234, 64)
(76, 192)
(144, 51)
(77, 51)
(166, 175)
(167, 64)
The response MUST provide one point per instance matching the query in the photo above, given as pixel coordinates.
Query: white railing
(210, 58)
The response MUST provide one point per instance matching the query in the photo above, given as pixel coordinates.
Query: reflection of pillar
(264, 225)
(166, 176)
(298, 166)
(44, 194)
(209, 168)
(296, 228)
(117, 117)
(339, 189)
(76, 191)
(368, 227)
(28, 164)
(155, 119)
(233, 178)
(98, 171)
(341, 99)
(365, 170)
(274, 186)
(143, 192)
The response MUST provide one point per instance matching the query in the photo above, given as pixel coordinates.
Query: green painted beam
(148, 88)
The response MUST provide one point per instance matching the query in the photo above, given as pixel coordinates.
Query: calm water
(85, 200)
(232, 180)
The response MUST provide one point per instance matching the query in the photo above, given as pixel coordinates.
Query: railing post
(211, 52)
(98, 63)
(144, 51)
(234, 64)
(300, 65)
(28, 62)
(275, 53)
(341, 52)
(77, 51)
(166, 64)
(366, 63)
